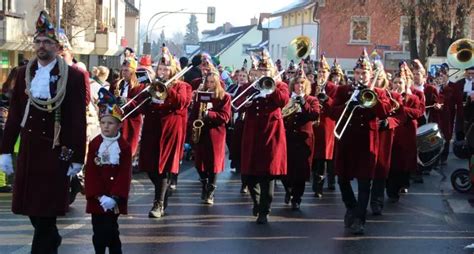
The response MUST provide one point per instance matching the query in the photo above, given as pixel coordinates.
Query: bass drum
(430, 144)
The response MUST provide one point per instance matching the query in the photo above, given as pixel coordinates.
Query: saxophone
(198, 123)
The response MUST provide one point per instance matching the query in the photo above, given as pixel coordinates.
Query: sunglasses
(44, 42)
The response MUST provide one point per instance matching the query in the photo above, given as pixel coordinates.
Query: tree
(192, 31)
(433, 25)
(178, 38)
(77, 17)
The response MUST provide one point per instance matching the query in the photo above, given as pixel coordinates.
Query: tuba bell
(300, 47)
(460, 54)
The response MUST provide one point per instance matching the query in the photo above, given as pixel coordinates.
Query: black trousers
(208, 175)
(397, 180)
(359, 205)
(261, 190)
(46, 238)
(161, 183)
(377, 192)
(295, 188)
(322, 167)
(106, 233)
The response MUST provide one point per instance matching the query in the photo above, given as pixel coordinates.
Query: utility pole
(59, 7)
(139, 23)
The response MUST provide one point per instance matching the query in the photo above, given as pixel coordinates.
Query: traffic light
(211, 14)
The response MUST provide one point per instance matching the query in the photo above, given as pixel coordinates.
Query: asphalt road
(431, 218)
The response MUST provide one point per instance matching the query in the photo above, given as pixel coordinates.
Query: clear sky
(238, 13)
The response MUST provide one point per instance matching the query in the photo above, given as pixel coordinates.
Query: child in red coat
(108, 176)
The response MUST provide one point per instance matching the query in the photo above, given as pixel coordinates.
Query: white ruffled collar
(40, 83)
(109, 151)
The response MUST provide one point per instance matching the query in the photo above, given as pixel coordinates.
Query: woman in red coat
(108, 176)
(163, 132)
(126, 88)
(214, 111)
(404, 151)
(264, 143)
(386, 129)
(299, 138)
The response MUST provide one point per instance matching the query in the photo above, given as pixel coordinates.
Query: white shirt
(420, 87)
(467, 86)
(125, 89)
(40, 83)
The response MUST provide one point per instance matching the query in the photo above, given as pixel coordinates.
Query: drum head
(426, 128)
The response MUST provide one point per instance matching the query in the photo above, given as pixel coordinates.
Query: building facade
(230, 43)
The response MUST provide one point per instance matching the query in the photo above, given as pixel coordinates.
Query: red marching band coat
(210, 151)
(109, 180)
(163, 132)
(404, 150)
(132, 125)
(456, 108)
(263, 139)
(41, 185)
(236, 139)
(446, 119)
(432, 96)
(324, 131)
(386, 136)
(300, 140)
(357, 151)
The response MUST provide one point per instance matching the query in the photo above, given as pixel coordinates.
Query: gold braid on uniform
(48, 105)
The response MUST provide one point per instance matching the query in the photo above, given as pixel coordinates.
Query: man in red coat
(48, 110)
(264, 143)
(323, 133)
(356, 149)
(460, 89)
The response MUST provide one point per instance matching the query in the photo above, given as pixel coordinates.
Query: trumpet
(264, 86)
(366, 98)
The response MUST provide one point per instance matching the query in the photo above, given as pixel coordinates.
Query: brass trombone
(159, 91)
(264, 85)
(365, 97)
(162, 87)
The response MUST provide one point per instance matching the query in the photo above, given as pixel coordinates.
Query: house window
(360, 30)
(245, 47)
(404, 33)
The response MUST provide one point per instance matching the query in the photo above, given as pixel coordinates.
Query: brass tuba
(460, 53)
(300, 47)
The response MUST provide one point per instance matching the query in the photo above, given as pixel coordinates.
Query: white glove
(6, 164)
(356, 92)
(74, 169)
(107, 203)
(157, 101)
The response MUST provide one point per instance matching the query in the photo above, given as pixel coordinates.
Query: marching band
(296, 125)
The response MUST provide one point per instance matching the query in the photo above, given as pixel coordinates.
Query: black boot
(318, 192)
(157, 211)
(204, 189)
(210, 194)
(262, 218)
(357, 227)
